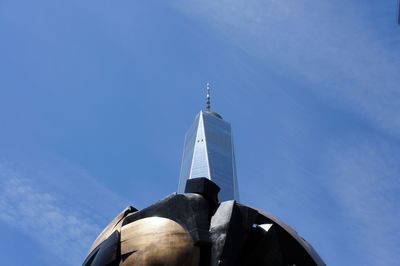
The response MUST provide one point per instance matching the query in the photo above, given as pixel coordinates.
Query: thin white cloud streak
(335, 48)
(62, 229)
(363, 178)
(331, 45)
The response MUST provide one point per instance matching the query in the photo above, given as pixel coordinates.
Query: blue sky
(96, 96)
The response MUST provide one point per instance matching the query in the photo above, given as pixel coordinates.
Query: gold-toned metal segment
(111, 227)
(157, 241)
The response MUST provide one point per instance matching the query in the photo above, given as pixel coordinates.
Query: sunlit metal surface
(115, 224)
(194, 229)
(157, 241)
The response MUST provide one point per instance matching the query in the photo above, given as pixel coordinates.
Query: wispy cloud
(61, 228)
(347, 54)
(333, 46)
(363, 178)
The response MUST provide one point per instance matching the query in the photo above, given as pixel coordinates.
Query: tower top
(208, 152)
(208, 102)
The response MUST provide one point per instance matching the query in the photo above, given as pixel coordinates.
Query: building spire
(208, 103)
(208, 152)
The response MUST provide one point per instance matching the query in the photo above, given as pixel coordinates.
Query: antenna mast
(208, 102)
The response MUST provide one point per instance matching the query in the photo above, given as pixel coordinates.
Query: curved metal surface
(115, 224)
(157, 241)
(307, 246)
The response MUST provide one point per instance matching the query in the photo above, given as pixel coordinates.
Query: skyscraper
(208, 152)
(201, 225)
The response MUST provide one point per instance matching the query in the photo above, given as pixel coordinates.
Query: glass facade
(188, 151)
(208, 152)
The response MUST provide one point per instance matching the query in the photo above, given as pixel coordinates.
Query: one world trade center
(208, 152)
